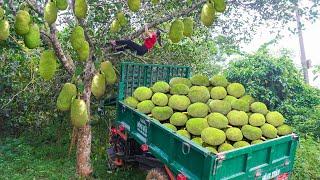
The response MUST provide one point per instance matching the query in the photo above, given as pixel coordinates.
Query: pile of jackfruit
(213, 113)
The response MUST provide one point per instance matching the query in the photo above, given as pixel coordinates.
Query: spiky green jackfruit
(238, 118)
(218, 93)
(134, 5)
(259, 107)
(284, 130)
(257, 119)
(207, 14)
(250, 132)
(217, 120)
(145, 106)
(178, 119)
(234, 134)
(131, 101)
(65, 97)
(179, 102)
(229, 99)
(197, 140)
(84, 51)
(241, 144)
(275, 118)
(236, 89)
(256, 141)
(225, 147)
(32, 38)
(199, 94)
(62, 4)
(4, 30)
(180, 80)
(220, 106)
(142, 93)
(219, 5)
(107, 69)
(240, 105)
(122, 19)
(22, 22)
(200, 80)
(48, 64)
(212, 149)
(219, 80)
(1, 12)
(176, 31)
(184, 133)
(77, 37)
(162, 113)
(269, 131)
(198, 110)
(50, 12)
(160, 86)
(188, 26)
(213, 136)
(80, 9)
(79, 113)
(160, 99)
(115, 26)
(248, 98)
(98, 85)
(196, 125)
(179, 89)
(170, 126)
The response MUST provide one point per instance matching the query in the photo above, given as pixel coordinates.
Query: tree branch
(167, 18)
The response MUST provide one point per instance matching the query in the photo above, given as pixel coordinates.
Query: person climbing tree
(150, 39)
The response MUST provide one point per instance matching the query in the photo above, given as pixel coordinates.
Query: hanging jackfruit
(219, 5)
(115, 26)
(122, 19)
(207, 14)
(80, 9)
(98, 86)
(1, 12)
(48, 64)
(188, 26)
(176, 31)
(84, 51)
(155, 1)
(62, 4)
(32, 38)
(4, 30)
(65, 97)
(79, 113)
(50, 12)
(22, 22)
(109, 72)
(134, 5)
(77, 37)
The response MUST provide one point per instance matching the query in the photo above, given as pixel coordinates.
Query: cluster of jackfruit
(209, 10)
(118, 23)
(4, 26)
(180, 28)
(213, 113)
(79, 43)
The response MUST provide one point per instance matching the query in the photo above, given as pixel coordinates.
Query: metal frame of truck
(136, 138)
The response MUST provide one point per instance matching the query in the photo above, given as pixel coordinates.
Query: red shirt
(150, 41)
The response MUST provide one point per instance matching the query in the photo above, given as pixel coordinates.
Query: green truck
(137, 139)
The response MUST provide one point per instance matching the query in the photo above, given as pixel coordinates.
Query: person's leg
(128, 44)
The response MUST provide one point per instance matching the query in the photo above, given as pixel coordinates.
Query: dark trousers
(128, 44)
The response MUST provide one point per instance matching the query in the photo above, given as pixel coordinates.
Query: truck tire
(157, 174)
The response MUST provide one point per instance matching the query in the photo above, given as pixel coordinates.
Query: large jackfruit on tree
(50, 12)
(98, 85)
(32, 38)
(4, 30)
(80, 8)
(62, 4)
(115, 26)
(22, 22)
(176, 31)
(219, 5)
(122, 19)
(65, 97)
(84, 51)
(48, 64)
(1, 12)
(134, 5)
(79, 113)
(77, 37)
(207, 14)
(188, 26)
(107, 69)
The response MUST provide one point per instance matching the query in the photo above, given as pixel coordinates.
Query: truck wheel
(157, 174)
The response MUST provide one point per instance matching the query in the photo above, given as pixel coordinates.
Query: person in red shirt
(150, 40)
